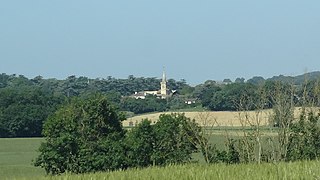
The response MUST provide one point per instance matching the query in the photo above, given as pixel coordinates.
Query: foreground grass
(297, 170)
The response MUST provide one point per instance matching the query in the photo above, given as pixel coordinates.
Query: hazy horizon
(194, 40)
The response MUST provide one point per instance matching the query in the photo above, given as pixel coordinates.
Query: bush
(304, 139)
(170, 141)
(84, 136)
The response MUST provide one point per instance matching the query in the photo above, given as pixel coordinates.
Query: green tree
(231, 95)
(206, 92)
(174, 141)
(23, 110)
(141, 142)
(257, 80)
(149, 104)
(239, 80)
(304, 139)
(83, 136)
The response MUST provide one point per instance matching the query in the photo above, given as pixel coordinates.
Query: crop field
(206, 118)
(215, 118)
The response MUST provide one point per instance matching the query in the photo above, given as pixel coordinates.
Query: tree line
(26, 103)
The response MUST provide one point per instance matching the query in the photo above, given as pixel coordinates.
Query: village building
(190, 101)
(162, 93)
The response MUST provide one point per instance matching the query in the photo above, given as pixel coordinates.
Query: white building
(163, 93)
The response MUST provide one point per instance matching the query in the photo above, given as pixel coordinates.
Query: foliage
(141, 142)
(83, 136)
(174, 141)
(297, 80)
(214, 155)
(23, 110)
(26, 103)
(304, 140)
(239, 80)
(231, 95)
(206, 92)
(257, 80)
(139, 106)
(177, 102)
(169, 141)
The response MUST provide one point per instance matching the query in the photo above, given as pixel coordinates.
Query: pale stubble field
(217, 118)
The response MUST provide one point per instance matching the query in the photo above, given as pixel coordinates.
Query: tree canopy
(86, 135)
(83, 136)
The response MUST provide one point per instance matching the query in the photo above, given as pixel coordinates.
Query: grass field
(16, 157)
(290, 171)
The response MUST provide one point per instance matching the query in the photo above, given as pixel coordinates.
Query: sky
(195, 40)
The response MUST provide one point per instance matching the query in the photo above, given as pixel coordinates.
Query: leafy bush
(170, 141)
(84, 136)
(304, 139)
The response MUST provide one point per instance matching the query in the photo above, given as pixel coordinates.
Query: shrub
(84, 136)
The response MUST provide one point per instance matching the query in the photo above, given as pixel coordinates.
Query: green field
(16, 157)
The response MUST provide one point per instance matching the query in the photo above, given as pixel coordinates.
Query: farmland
(215, 118)
(16, 157)
(296, 170)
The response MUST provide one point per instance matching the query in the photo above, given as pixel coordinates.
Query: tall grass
(296, 170)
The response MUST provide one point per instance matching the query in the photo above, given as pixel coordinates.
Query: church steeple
(164, 78)
(164, 85)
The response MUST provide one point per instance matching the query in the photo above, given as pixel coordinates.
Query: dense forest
(26, 103)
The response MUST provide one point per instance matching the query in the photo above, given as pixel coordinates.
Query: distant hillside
(297, 80)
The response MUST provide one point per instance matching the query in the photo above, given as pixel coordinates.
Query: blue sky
(194, 40)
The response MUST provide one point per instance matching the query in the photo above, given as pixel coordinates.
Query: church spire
(163, 83)
(164, 78)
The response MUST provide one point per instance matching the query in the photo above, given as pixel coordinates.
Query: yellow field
(216, 118)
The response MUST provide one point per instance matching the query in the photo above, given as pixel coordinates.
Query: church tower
(164, 85)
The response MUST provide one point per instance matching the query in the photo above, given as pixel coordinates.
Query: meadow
(17, 154)
(16, 157)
